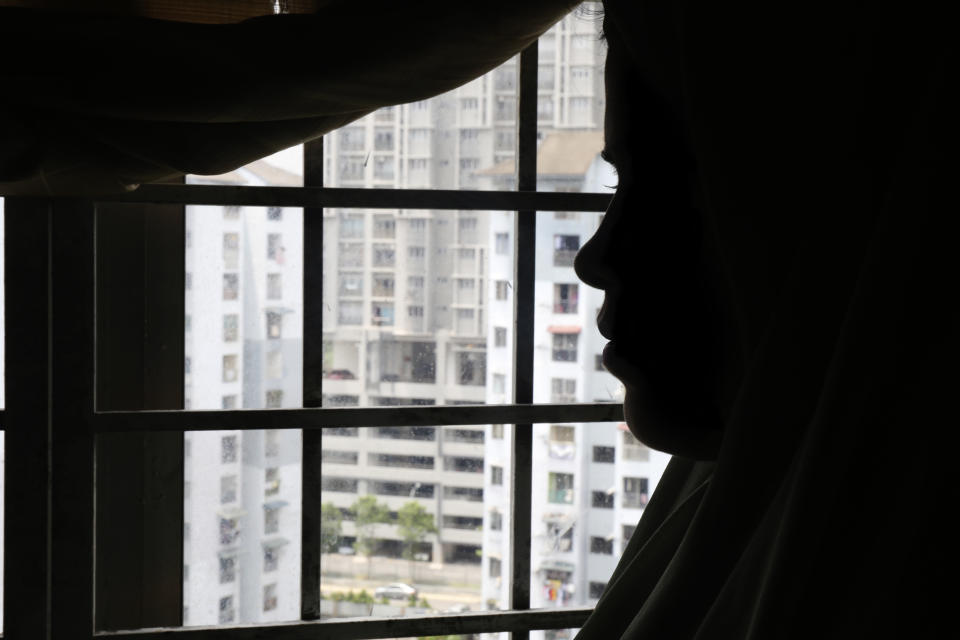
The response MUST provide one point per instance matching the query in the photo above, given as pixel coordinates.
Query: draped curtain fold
(104, 99)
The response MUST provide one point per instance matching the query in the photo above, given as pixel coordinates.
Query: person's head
(651, 258)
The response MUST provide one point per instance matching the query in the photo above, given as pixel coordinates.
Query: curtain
(104, 99)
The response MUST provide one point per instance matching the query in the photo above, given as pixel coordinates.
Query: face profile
(648, 256)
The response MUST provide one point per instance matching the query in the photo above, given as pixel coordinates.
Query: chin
(680, 428)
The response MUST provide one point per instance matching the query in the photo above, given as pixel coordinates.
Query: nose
(594, 262)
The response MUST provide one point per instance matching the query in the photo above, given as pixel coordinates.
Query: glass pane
(418, 307)
(414, 519)
(570, 104)
(567, 361)
(244, 343)
(462, 139)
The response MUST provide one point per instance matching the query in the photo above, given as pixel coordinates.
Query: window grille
(71, 250)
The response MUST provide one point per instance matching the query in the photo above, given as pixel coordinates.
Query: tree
(414, 523)
(368, 513)
(331, 526)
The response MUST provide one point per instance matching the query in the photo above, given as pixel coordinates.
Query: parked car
(341, 374)
(395, 591)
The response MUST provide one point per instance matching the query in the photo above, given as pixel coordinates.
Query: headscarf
(823, 145)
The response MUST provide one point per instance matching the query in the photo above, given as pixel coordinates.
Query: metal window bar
(313, 197)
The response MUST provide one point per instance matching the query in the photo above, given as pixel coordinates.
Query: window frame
(60, 274)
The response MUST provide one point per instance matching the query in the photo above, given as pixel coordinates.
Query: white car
(395, 591)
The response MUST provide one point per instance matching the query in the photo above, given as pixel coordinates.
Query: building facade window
(501, 289)
(496, 431)
(227, 613)
(231, 327)
(269, 597)
(271, 481)
(600, 545)
(565, 347)
(274, 286)
(230, 368)
(596, 589)
(560, 488)
(228, 449)
(274, 399)
(563, 390)
(271, 519)
(231, 250)
(228, 569)
(228, 489)
(275, 247)
(604, 454)
(565, 298)
(601, 499)
(635, 494)
(496, 475)
(231, 286)
(565, 249)
(274, 325)
(502, 244)
(500, 336)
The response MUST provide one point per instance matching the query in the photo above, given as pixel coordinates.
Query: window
(471, 367)
(274, 287)
(495, 568)
(496, 521)
(601, 500)
(604, 454)
(499, 383)
(415, 312)
(384, 256)
(231, 250)
(230, 368)
(351, 284)
(560, 488)
(416, 253)
(269, 597)
(227, 613)
(271, 558)
(565, 250)
(565, 298)
(228, 569)
(596, 589)
(635, 493)
(228, 489)
(384, 226)
(496, 475)
(259, 359)
(500, 336)
(351, 226)
(274, 369)
(231, 327)
(502, 243)
(340, 457)
(271, 481)
(598, 363)
(382, 313)
(502, 286)
(565, 347)
(271, 446)
(231, 212)
(228, 449)
(275, 248)
(382, 286)
(563, 390)
(601, 545)
(274, 324)
(274, 399)
(271, 519)
(633, 449)
(562, 433)
(349, 312)
(231, 286)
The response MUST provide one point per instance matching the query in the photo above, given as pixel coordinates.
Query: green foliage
(424, 604)
(414, 523)
(368, 513)
(331, 526)
(412, 602)
(360, 598)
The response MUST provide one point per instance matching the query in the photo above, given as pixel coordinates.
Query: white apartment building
(243, 349)
(417, 310)
(590, 481)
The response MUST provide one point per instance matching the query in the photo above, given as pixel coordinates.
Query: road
(440, 597)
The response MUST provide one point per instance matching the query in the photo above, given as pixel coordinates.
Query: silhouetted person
(781, 304)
